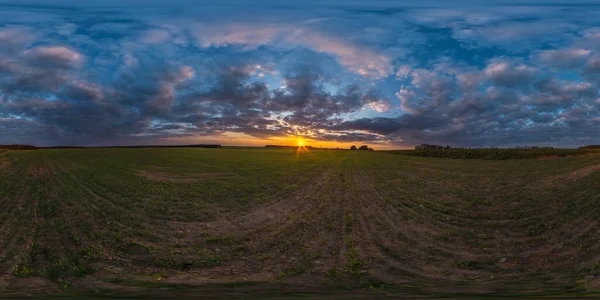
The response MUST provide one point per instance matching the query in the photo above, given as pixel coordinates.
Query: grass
(75, 217)
(494, 154)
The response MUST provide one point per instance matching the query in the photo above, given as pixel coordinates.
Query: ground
(260, 221)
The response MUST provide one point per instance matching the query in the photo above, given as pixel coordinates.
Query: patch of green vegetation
(465, 264)
(492, 154)
(23, 271)
(348, 223)
(354, 264)
(322, 216)
(332, 273)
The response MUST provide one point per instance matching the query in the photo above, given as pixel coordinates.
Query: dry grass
(583, 172)
(182, 178)
(322, 220)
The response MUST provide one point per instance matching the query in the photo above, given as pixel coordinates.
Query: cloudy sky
(331, 73)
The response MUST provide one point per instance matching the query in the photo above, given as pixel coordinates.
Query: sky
(390, 74)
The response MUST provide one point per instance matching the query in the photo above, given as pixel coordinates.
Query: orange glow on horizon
(301, 148)
(240, 139)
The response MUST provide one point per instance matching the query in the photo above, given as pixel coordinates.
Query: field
(148, 221)
(495, 154)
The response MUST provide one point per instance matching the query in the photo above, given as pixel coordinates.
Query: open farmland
(495, 154)
(97, 220)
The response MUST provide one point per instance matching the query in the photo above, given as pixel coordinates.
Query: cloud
(361, 61)
(380, 106)
(509, 74)
(155, 36)
(561, 93)
(498, 111)
(592, 66)
(459, 75)
(248, 35)
(563, 57)
(130, 61)
(516, 29)
(302, 107)
(357, 59)
(469, 80)
(53, 57)
(406, 97)
(403, 72)
(590, 38)
(79, 90)
(14, 38)
(39, 69)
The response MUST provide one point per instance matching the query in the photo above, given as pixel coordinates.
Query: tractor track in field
(278, 230)
(357, 220)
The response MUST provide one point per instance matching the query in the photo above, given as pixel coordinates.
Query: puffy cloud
(563, 57)
(14, 38)
(469, 80)
(406, 97)
(357, 59)
(53, 57)
(248, 35)
(561, 93)
(80, 90)
(403, 72)
(516, 29)
(43, 68)
(499, 112)
(590, 38)
(506, 73)
(129, 60)
(592, 66)
(155, 36)
(380, 106)
(361, 61)
(461, 76)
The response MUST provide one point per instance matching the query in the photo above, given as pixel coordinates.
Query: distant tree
(353, 147)
(363, 147)
(18, 147)
(431, 147)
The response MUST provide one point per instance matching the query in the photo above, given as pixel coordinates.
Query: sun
(300, 143)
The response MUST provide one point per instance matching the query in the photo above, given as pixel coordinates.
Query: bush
(492, 154)
(590, 147)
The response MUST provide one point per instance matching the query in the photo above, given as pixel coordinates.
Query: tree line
(438, 147)
(363, 147)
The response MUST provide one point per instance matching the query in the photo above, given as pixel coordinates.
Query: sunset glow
(323, 148)
(164, 72)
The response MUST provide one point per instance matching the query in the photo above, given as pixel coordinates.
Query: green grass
(493, 154)
(350, 219)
